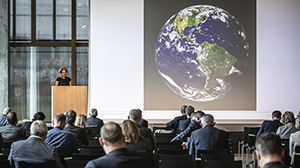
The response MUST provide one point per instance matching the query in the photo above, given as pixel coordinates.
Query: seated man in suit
(174, 123)
(208, 137)
(34, 149)
(63, 140)
(271, 126)
(269, 151)
(143, 122)
(194, 125)
(11, 132)
(3, 120)
(135, 116)
(79, 132)
(117, 156)
(183, 124)
(93, 121)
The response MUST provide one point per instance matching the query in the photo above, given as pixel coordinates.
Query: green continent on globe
(181, 22)
(216, 61)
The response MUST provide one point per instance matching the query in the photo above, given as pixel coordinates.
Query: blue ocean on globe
(197, 49)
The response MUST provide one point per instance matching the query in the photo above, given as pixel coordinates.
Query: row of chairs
(173, 155)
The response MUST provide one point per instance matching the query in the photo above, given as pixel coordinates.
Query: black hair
(39, 116)
(276, 114)
(70, 116)
(189, 110)
(11, 118)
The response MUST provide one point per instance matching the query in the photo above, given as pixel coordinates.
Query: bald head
(135, 115)
(111, 132)
(6, 110)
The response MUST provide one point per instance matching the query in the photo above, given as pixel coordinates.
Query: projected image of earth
(198, 49)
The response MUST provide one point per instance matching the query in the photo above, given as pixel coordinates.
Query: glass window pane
(83, 20)
(23, 19)
(11, 19)
(63, 19)
(82, 54)
(33, 71)
(44, 20)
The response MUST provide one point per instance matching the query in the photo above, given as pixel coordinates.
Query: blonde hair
(297, 123)
(81, 121)
(288, 117)
(131, 131)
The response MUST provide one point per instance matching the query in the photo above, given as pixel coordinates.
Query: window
(45, 35)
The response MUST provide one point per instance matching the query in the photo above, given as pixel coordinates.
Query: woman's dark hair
(39, 116)
(63, 68)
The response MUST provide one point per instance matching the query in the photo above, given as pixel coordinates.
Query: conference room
(137, 83)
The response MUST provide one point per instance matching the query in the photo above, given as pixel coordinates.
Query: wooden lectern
(69, 97)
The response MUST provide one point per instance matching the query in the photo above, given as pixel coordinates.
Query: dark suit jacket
(94, 122)
(174, 123)
(26, 127)
(62, 139)
(146, 133)
(3, 120)
(121, 158)
(32, 150)
(183, 124)
(12, 132)
(274, 165)
(79, 132)
(143, 123)
(194, 125)
(208, 138)
(142, 145)
(269, 126)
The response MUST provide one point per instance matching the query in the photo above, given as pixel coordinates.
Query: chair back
(177, 164)
(285, 146)
(49, 164)
(221, 164)
(171, 151)
(175, 157)
(250, 135)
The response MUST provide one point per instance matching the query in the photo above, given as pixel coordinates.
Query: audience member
(271, 126)
(183, 124)
(295, 139)
(135, 116)
(37, 116)
(11, 132)
(33, 149)
(269, 151)
(3, 120)
(93, 121)
(143, 122)
(288, 128)
(117, 156)
(133, 140)
(63, 140)
(194, 125)
(79, 132)
(81, 123)
(208, 137)
(174, 123)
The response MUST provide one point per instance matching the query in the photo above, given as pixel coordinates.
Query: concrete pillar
(4, 54)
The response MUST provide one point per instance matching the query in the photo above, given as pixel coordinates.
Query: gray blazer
(94, 122)
(32, 150)
(12, 132)
(294, 141)
(286, 130)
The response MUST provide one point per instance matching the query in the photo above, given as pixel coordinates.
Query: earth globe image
(197, 50)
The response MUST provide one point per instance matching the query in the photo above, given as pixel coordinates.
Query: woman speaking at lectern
(63, 80)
